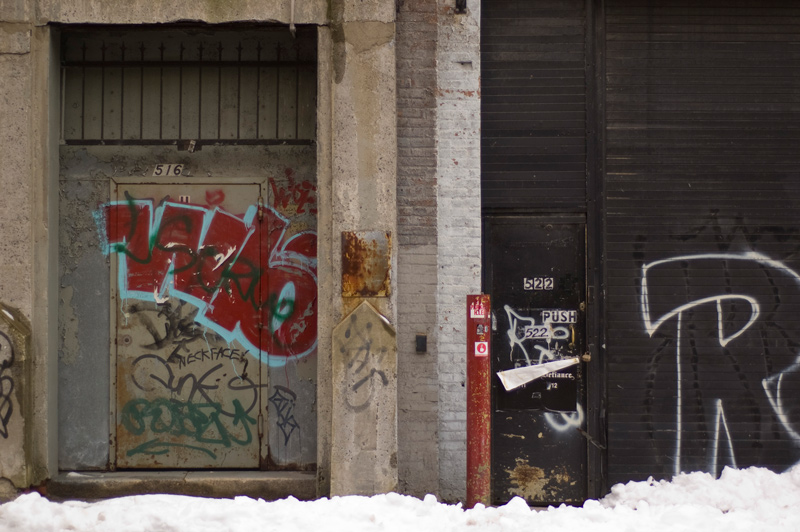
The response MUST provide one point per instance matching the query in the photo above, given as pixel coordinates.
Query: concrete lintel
(209, 11)
(358, 10)
(15, 39)
(267, 485)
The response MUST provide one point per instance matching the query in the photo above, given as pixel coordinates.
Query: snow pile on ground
(749, 500)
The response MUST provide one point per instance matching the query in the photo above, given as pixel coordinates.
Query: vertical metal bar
(180, 94)
(200, 96)
(596, 395)
(83, 92)
(161, 94)
(239, 93)
(141, 93)
(63, 97)
(219, 94)
(297, 91)
(122, 95)
(103, 91)
(479, 400)
(278, 94)
(258, 90)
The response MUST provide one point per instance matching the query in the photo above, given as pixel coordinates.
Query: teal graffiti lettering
(193, 421)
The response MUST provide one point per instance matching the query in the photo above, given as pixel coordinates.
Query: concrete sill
(267, 485)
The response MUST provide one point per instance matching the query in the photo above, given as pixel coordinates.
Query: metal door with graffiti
(213, 287)
(535, 273)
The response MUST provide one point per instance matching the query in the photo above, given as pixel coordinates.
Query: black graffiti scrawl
(284, 399)
(6, 383)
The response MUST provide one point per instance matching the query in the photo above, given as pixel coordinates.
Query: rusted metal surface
(479, 400)
(366, 263)
(535, 484)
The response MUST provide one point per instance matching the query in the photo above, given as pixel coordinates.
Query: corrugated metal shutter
(533, 85)
(703, 186)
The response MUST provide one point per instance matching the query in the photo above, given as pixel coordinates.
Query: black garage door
(703, 184)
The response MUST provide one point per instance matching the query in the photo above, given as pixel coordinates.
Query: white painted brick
(458, 140)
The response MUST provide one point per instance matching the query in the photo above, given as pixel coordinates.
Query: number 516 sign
(168, 170)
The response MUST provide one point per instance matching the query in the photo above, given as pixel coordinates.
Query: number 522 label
(538, 283)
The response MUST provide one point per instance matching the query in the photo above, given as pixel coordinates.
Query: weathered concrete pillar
(363, 223)
(365, 404)
(15, 342)
(16, 197)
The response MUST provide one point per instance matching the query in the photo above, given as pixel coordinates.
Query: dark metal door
(535, 273)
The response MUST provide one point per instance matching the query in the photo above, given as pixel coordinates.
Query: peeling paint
(68, 328)
(530, 480)
(534, 484)
(366, 263)
(366, 35)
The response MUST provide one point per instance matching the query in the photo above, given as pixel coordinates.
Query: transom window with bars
(151, 87)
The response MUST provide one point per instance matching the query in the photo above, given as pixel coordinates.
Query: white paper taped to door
(514, 378)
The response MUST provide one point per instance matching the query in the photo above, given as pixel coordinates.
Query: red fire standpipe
(479, 400)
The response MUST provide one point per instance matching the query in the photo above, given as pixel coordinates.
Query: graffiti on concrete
(301, 194)
(6, 383)
(284, 399)
(364, 352)
(250, 282)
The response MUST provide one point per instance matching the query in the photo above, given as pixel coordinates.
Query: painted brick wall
(417, 252)
(459, 226)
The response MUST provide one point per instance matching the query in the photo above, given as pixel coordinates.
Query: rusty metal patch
(536, 485)
(366, 263)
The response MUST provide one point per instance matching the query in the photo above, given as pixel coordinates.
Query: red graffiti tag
(215, 197)
(300, 194)
(251, 282)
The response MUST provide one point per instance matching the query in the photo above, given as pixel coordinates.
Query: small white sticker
(481, 349)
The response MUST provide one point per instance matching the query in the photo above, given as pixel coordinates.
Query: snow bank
(747, 500)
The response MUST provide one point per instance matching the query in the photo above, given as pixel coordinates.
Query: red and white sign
(481, 349)
(477, 310)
